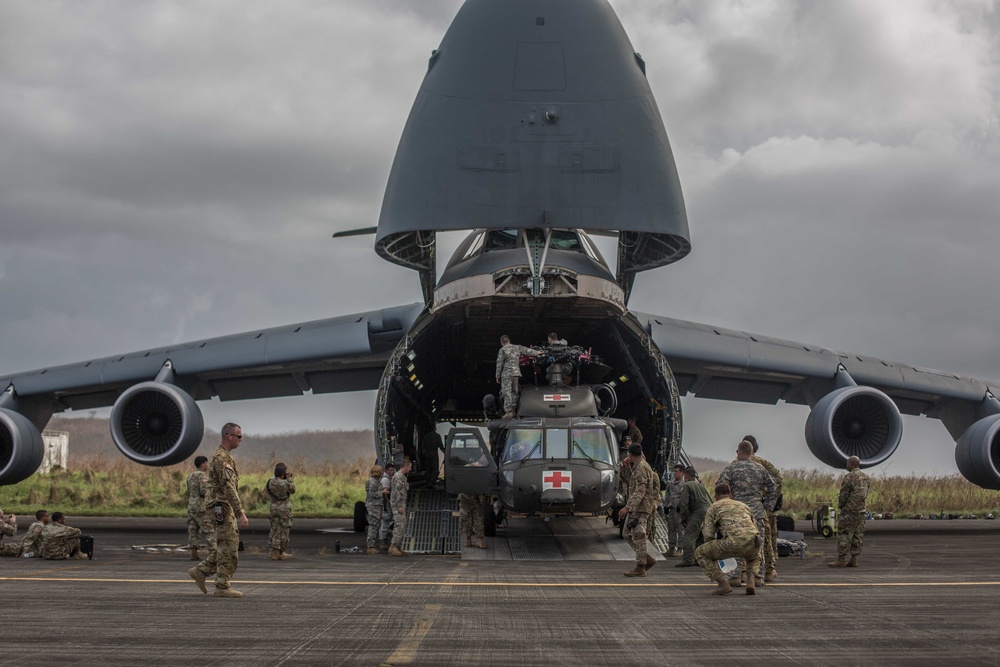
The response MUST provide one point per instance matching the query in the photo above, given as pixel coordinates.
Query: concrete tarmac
(926, 593)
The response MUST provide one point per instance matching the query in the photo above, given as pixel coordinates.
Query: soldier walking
(643, 496)
(199, 523)
(397, 503)
(753, 486)
(851, 520)
(279, 490)
(373, 506)
(509, 372)
(692, 506)
(223, 500)
(670, 508)
(770, 535)
(740, 538)
(471, 518)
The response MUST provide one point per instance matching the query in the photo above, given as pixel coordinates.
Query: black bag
(785, 523)
(87, 546)
(779, 502)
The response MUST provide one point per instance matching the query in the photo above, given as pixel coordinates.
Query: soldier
(642, 501)
(32, 539)
(430, 448)
(633, 431)
(385, 530)
(373, 505)
(694, 502)
(740, 538)
(851, 521)
(278, 491)
(509, 372)
(670, 505)
(8, 526)
(471, 518)
(198, 522)
(770, 535)
(223, 500)
(60, 541)
(554, 339)
(753, 486)
(397, 503)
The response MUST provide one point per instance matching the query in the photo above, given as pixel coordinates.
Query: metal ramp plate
(660, 537)
(431, 523)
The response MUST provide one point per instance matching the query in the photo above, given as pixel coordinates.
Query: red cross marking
(556, 478)
(557, 397)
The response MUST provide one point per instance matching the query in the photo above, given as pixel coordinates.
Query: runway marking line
(508, 584)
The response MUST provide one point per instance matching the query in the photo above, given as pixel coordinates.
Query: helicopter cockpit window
(466, 452)
(523, 443)
(591, 444)
(501, 239)
(556, 445)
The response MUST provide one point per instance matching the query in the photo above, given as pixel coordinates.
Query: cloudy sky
(172, 171)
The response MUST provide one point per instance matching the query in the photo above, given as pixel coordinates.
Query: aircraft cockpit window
(565, 240)
(475, 246)
(556, 445)
(591, 444)
(466, 452)
(523, 443)
(502, 239)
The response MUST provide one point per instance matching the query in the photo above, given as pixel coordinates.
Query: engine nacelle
(854, 421)
(977, 453)
(156, 424)
(21, 447)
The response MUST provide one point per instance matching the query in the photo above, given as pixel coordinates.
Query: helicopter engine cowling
(977, 453)
(156, 424)
(21, 447)
(854, 421)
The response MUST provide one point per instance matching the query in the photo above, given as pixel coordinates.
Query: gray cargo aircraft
(534, 127)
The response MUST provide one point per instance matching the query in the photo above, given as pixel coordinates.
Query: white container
(728, 566)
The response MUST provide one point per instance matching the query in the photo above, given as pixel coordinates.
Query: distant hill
(90, 438)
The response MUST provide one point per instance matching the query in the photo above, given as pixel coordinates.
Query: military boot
(639, 571)
(840, 562)
(650, 562)
(282, 555)
(735, 581)
(194, 554)
(481, 543)
(227, 593)
(199, 578)
(373, 551)
(770, 576)
(275, 555)
(751, 586)
(396, 551)
(853, 562)
(723, 587)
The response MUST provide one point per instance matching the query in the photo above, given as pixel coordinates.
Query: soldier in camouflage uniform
(223, 503)
(385, 531)
(397, 503)
(643, 497)
(851, 520)
(33, 538)
(735, 523)
(670, 507)
(198, 522)
(8, 526)
(471, 518)
(60, 541)
(373, 505)
(770, 514)
(692, 506)
(509, 372)
(279, 490)
(753, 486)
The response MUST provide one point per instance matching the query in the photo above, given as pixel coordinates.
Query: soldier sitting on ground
(8, 526)
(60, 541)
(33, 538)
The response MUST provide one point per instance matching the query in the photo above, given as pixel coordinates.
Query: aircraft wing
(713, 362)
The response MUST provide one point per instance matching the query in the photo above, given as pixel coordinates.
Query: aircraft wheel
(360, 517)
(489, 519)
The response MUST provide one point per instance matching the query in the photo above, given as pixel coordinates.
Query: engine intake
(977, 453)
(156, 424)
(854, 421)
(21, 447)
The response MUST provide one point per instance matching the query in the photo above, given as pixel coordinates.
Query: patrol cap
(635, 449)
(626, 439)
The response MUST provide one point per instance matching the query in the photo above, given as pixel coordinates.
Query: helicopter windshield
(523, 443)
(592, 444)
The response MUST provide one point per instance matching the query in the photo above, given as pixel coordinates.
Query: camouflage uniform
(471, 516)
(670, 507)
(279, 495)
(770, 518)
(373, 504)
(851, 522)
(694, 502)
(8, 529)
(397, 500)
(59, 542)
(642, 501)
(508, 372)
(651, 521)
(740, 537)
(752, 486)
(634, 433)
(199, 523)
(223, 490)
(32, 540)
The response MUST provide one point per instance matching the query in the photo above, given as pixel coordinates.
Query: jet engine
(156, 424)
(854, 421)
(21, 448)
(978, 453)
